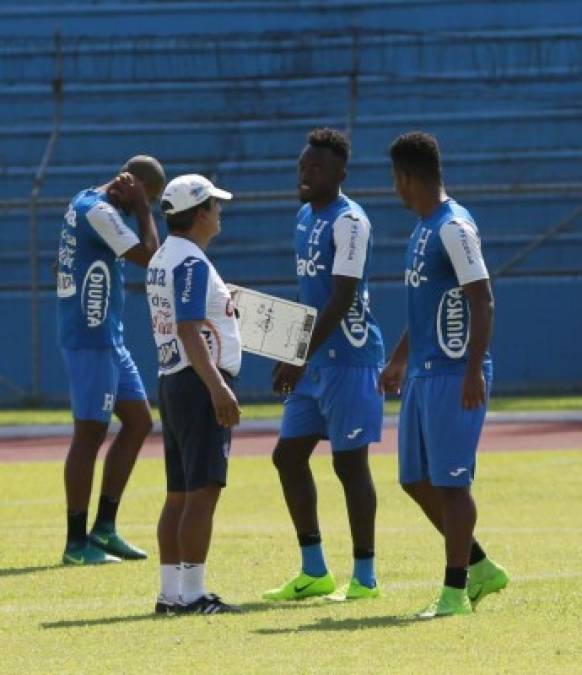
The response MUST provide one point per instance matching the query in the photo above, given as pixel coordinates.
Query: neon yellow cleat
(452, 602)
(485, 577)
(302, 586)
(354, 591)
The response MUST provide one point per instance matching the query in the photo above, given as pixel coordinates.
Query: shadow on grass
(246, 608)
(328, 624)
(17, 571)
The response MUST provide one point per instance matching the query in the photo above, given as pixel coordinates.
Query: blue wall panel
(536, 344)
(230, 89)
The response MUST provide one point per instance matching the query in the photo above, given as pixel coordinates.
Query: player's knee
(278, 459)
(351, 469)
(141, 425)
(88, 436)
(286, 463)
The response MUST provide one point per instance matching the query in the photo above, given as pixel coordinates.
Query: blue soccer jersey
(337, 240)
(90, 273)
(444, 254)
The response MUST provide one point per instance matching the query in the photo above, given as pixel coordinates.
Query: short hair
(417, 153)
(182, 221)
(332, 139)
(148, 170)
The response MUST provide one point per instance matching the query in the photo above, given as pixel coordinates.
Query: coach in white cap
(199, 351)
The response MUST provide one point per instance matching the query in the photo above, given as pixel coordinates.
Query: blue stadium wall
(230, 89)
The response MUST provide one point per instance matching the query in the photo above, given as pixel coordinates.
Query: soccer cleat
(354, 591)
(302, 586)
(452, 602)
(207, 604)
(166, 607)
(112, 543)
(87, 554)
(485, 577)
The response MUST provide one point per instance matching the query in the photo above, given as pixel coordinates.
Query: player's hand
(129, 192)
(474, 393)
(225, 406)
(286, 377)
(391, 378)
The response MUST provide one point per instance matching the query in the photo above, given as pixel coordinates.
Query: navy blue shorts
(341, 403)
(196, 447)
(100, 377)
(437, 437)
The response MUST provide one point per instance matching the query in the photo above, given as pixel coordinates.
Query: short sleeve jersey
(183, 285)
(443, 254)
(90, 275)
(337, 240)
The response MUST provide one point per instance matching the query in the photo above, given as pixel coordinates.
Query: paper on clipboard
(273, 327)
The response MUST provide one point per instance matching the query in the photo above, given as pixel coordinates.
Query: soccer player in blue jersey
(103, 379)
(443, 354)
(335, 396)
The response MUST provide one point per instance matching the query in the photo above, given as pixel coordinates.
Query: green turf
(60, 620)
(270, 411)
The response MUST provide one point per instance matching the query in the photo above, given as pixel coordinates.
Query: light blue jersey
(337, 240)
(444, 253)
(90, 273)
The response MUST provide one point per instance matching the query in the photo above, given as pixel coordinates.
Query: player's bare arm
(392, 377)
(129, 192)
(480, 299)
(223, 399)
(285, 376)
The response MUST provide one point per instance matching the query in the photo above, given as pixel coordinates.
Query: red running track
(496, 437)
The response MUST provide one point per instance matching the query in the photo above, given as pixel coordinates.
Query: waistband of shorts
(185, 369)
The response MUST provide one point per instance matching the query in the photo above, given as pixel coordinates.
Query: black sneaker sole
(165, 609)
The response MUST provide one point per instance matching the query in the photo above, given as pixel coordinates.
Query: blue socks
(312, 560)
(364, 568)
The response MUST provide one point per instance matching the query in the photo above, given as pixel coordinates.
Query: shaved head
(149, 172)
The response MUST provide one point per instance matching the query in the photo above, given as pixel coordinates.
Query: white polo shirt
(182, 285)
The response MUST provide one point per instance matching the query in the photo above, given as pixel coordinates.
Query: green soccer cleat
(87, 554)
(112, 543)
(302, 586)
(485, 577)
(452, 602)
(354, 591)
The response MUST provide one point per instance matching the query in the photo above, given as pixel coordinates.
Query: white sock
(191, 581)
(170, 582)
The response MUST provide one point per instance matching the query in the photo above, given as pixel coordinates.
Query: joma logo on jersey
(453, 324)
(95, 293)
(310, 266)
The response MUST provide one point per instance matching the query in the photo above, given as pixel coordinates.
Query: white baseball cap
(187, 191)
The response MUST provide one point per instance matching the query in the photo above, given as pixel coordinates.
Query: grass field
(270, 411)
(99, 620)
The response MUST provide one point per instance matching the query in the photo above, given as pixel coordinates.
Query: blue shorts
(340, 403)
(437, 437)
(100, 377)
